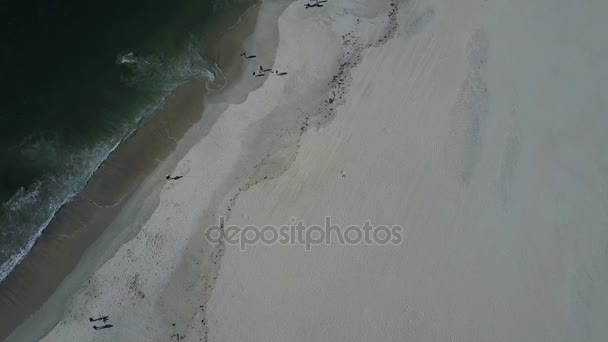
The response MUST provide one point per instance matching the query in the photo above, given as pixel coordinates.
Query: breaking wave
(29, 210)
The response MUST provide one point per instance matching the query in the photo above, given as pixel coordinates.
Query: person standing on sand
(102, 318)
(262, 70)
(316, 4)
(102, 327)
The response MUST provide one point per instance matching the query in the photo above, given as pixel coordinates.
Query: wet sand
(80, 223)
(477, 126)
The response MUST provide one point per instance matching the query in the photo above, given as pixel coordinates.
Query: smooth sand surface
(480, 128)
(477, 125)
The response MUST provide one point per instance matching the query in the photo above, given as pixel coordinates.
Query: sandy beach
(476, 126)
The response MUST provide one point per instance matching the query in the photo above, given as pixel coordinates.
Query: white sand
(480, 128)
(476, 125)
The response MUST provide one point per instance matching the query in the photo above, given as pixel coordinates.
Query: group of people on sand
(244, 55)
(102, 319)
(316, 3)
(261, 70)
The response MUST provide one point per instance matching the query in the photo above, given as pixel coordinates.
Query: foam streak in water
(30, 210)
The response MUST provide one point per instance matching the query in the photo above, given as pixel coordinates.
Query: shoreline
(140, 286)
(148, 85)
(63, 243)
(428, 114)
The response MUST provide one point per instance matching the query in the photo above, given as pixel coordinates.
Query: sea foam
(31, 210)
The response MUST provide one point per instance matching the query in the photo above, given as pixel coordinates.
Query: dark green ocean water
(76, 78)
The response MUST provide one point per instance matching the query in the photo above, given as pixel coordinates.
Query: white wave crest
(128, 58)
